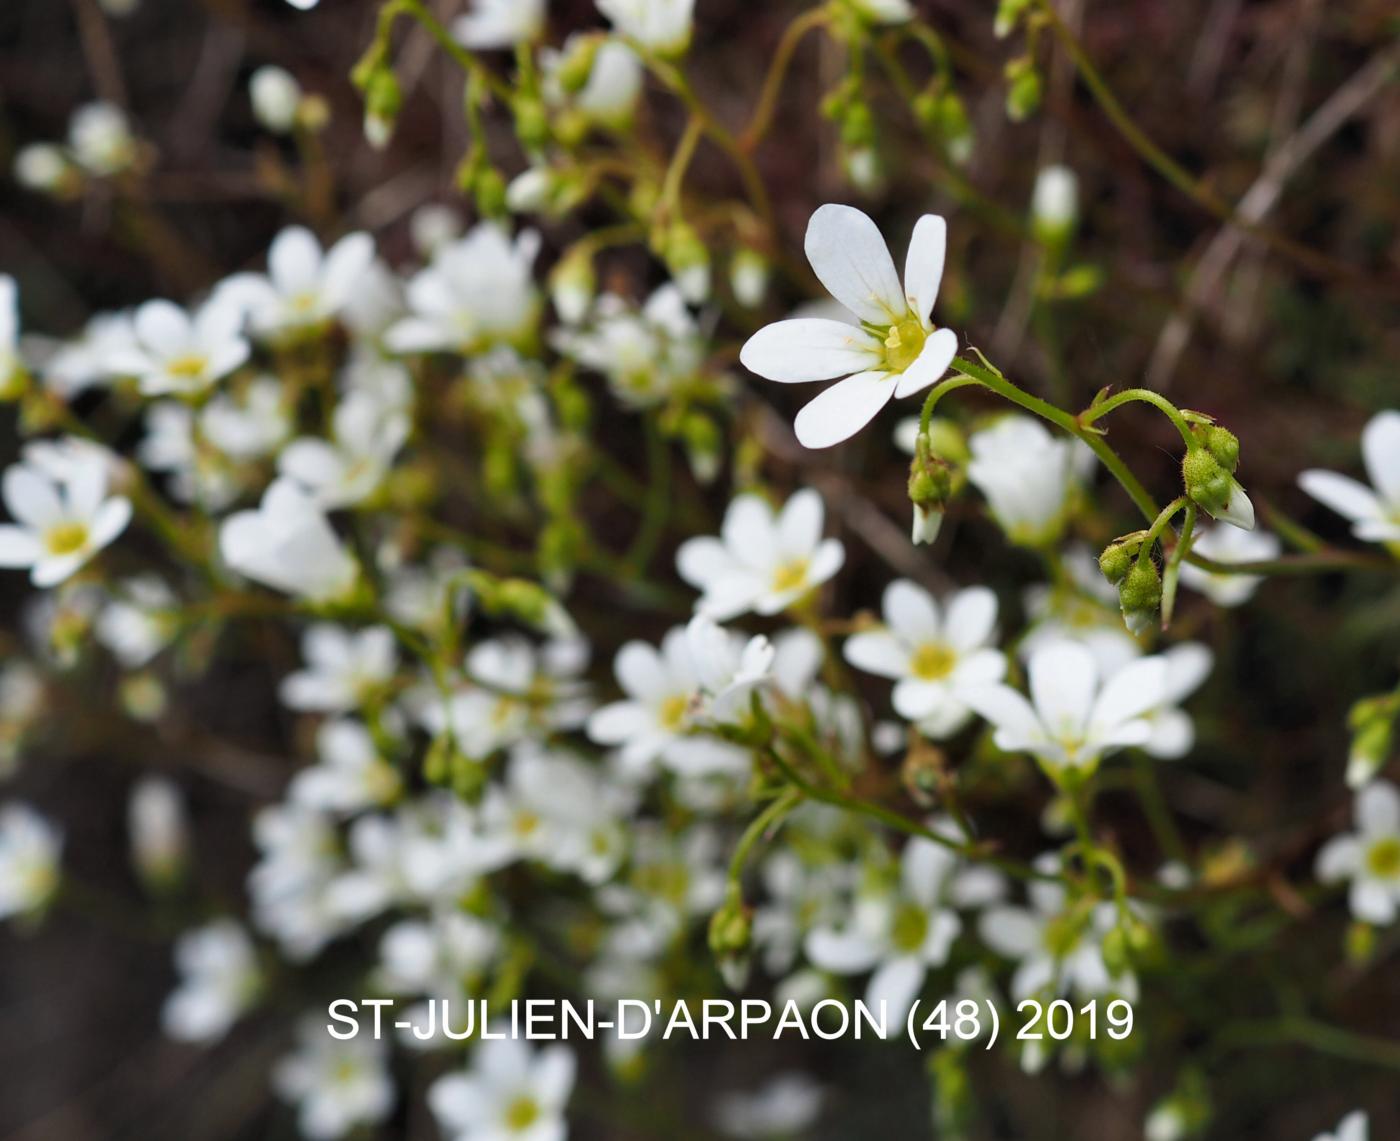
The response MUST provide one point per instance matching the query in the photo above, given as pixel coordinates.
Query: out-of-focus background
(1291, 339)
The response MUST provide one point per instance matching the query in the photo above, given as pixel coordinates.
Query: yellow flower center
(303, 303)
(903, 344)
(1383, 858)
(790, 576)
(932, 661)
(188, 367)
(526, 823)
(66, 538)
(522, 1113)
(910, 928)
(672, 712)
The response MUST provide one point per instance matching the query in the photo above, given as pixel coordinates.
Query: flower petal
(809, 348)
(912, 613)
(1063, 681)
(853, 262)
(843, 409)
(972, 618)
(932, 362)
(1380, 446)
(1342, 494)
(923, 264)
(1378, 809)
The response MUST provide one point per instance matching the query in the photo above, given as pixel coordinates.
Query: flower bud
(159, 833)
(276, 97)
(1140, 595)
(1372, 724)
(1360, 944)
(731, 929)
(688, 261)
(748, 277)
(704, 446)
(573, 285)
(1023, 89)
(1009, 15)
(489, 189)
(1221, 443)
(1215, 490)
(383, 101)
(576, 64)
(1114, 949)
(1117, 559)
(45, 168)
(1055, 204)
(531, 123)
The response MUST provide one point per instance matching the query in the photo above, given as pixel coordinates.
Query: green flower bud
(383, 101)
(1215, 490)
(1023, 89)
(1009, 16)
(1117, 560)
(1140, 595)
(1372, 724)
(1114, 949)
(1221, 443)
(531, 122)
(489, 188)
(689, 262)
(731, 929)
(577, 64)
(1361, 944)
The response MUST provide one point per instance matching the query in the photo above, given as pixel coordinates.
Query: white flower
(342, 669)
(930, 655)
(100, 138)
(339, 1084)
(71, 366)
(433, 226)
(219, 980)
(901, 936)
(500, 23)
(614, 82)
(276, 98)
(350, 774)
(159, 830)
(1374, 511)
(1074, 716)
(1055, 202)
(1355, 1126)
(646, 355)
(1173, 734)
(29, 851)
(440, 956)
(653, 723)
(761, 561)
(287, 544)
(895, 351)
(661, 26)
(510, 1093)
(1228, 545)
(62, 519)
(1059, 946)
(250, 424)
(304, 285)
(784, 1106)
(42, 167)
(729, 668)
(1028, 476)
(11, 366)
(177, 353)
(1369, 857)
(353, 466)
(140, 621)
(478, 291)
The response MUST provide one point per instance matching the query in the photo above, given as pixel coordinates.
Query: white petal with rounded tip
(641, 672)
(163, 327)
(1006, 709)
(923, 264)
(1063, 681)
(1378, 810)
(346, 262)
(877, 652)
(830, 556)
(702, 559)
(912, 613)
(749, 532)
(109, 521)
(1010, 931)
(853, 262)
(1129, 693)
(294, 261)
(1188, 665)
(1343, 494)
(932, 362)
(895, 984)
(32, 499)
(843, 409)
(972, 618)
(18, 547)
(844, 952)
(810, 348)
(800, 523)
(1372, 902)
(1339, 858)
(1380, 445)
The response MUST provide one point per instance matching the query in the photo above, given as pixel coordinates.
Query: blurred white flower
(62, 518)
(434, 226)
(159, 830)
(304, 285)
(932, 655)
(352, 466)
(338, 1085)
(478, 291)
(101, 139)
(1055, 202)
(1374, 511)
(500, 23)
(761, 561)
(1355, 1126)
(510, 1093)
(175, 352)
(1173, 732)
(42, 167)
(1228, 545)
(290, 886)
(249, 424)
(276, 98)
(1370, 856)
(286, 543)
(609, 94)
(1028, 476)
(784, 1106)
(660, 26)
(1075, 715)
(896, 350)
(219, 981)
(139, 621)
(343, 668)
(350, 774)
(29, 852)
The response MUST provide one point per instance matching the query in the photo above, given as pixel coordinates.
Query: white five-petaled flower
(510, 1093)
(343, 668)
(1028, 476)
(1074, 715)
(179, 353)
(29, 851)
(351, 467)
(350, 774)
(661, 26)
(895, 351)
(903, 934)
(338, 1084)
(1228, 545)
(1374, 511)
(219, 980)
(478, 291)
(304, 285)
(761, 561)
(1370, 856)
(63, 518)
(500, 23)
(930, 654)
(287, 544)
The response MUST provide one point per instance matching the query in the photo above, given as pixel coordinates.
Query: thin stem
(1146, 396)
(758, 827)
(767, 104)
